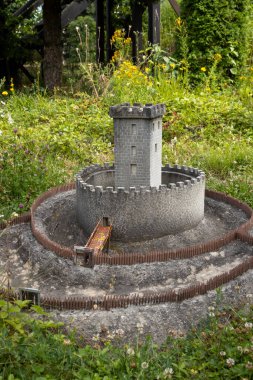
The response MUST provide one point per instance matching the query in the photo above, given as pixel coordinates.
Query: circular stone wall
(141, 213)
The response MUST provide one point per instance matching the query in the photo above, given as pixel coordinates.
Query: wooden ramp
(100, 237)
(98, 242)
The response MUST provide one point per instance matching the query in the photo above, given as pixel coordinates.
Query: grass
(44, 141)
(36, 348)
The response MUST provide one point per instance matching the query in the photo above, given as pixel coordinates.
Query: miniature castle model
(142, 199)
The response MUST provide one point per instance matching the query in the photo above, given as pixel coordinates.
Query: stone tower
(138, 144)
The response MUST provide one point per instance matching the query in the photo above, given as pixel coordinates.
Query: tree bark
(52, 62)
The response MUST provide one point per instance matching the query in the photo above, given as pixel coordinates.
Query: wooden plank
(136, 32)
(109, 29)
(69, 13)
(99, 238)
(154, 17)
(26, 72)
(72, 11)
(100, 31)
(27, 8)
(175, 6)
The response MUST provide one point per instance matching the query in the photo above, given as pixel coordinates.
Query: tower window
(155, 147)
(134, 129)
(133, 151)
(133, 169)
(153, 127)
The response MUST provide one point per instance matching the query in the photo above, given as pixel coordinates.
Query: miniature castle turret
(138, 144)
(142, 199)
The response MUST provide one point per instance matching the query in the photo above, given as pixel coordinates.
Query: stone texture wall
(145, 212)
(138, 144)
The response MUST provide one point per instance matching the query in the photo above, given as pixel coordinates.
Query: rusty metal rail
(118, 301)
(123, 301)
(139, 258)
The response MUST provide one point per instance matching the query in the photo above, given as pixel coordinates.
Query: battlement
(181, 197)
(137, 111)
(83, 179)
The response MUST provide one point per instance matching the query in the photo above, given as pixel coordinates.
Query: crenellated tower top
(137, 111)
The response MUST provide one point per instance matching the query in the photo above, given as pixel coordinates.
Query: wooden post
(100, 31)
(136, 32)
(154, 21)
(109, 28)
(175, 6)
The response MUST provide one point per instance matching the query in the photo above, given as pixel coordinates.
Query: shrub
(216, 28)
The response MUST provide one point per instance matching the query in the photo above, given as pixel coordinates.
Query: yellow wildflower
(127, 70)
(217, 57)
(172, 65)
(116, 56)
(127, 41)
(118, 36)
(203, 69)
(5, 93)
(162, 66)
(147, 70)
(12, 86)
(178, 22)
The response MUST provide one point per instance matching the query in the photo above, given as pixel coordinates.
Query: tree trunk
(52, 63)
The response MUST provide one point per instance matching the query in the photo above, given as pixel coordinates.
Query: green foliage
(227, 160)
(202, 115)
(216, 27)
(15, 49)
(44, 140)
(34, 347)
(168, 26)
(79, 42)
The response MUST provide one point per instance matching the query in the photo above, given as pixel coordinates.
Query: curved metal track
(108, 302)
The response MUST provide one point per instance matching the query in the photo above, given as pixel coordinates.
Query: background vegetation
(216, 31)
(44, 140)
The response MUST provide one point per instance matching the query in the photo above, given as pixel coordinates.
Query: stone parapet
(89, 173)
(144, 212)
(137, 111)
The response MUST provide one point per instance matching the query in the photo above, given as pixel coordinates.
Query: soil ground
(27, 264)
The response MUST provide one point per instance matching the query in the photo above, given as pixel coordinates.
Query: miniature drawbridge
(97, 243)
